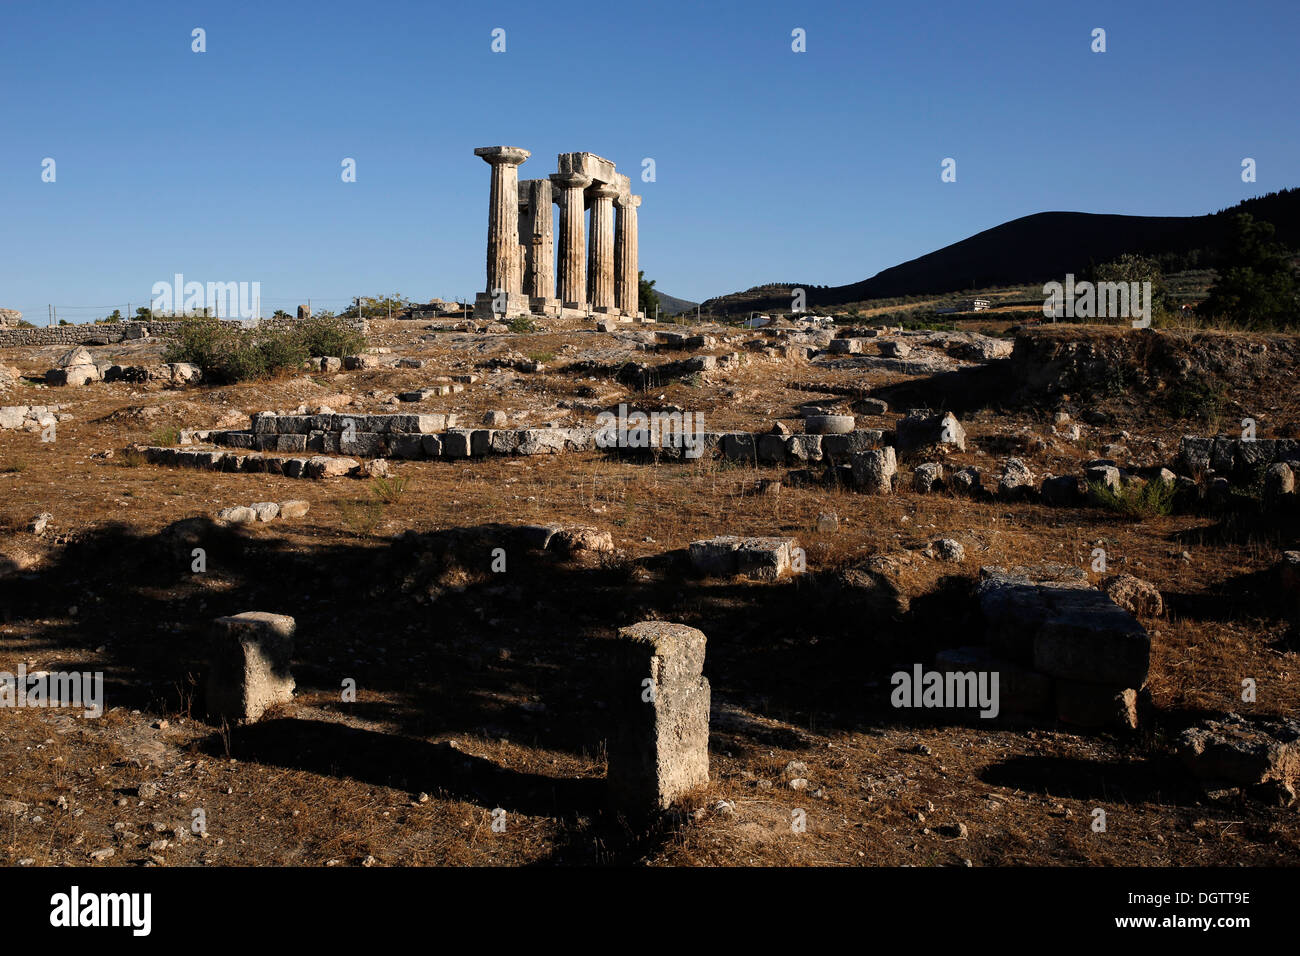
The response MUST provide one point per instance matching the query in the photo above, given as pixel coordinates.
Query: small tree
(646, 294)
(1135, 268)
(143, 313)
(1257, 284)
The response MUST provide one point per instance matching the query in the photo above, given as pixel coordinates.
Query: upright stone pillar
(572, 272)
(504, 295)
(627, 280)
(658, 744)
(600, 253)
(535, 232)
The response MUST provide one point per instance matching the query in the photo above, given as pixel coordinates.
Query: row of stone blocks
(1225, 456)
(658, 742)
(435, 436)
(1059, 646)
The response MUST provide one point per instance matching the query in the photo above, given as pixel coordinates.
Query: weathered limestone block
(1016, 482)
(1016, 601)
(874, 471)
(325, 466)
(967, 481)
(541, 441)
(1238, 751)
(739, 446)
(265, 510)
(771, 448)
(362, 444)
(1063, 490)
(804, 447)
(1096, 705)
(922, 429)
(829, 424)
(249, 664)
(1279, 481)
(659, 708)
(927, 478)
(1140, 598)
(728, 555)
(237, 515)
(1090, 638)
(844, 447)
(504, 441)
(569, 541)
(295, 508)
(357, 362)
(1020, 690)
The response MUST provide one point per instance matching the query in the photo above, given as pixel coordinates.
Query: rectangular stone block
(1092, 639)
(264, 423)
(1096, 705)
(406, 446)
(362, 444)
(771, 449)
(291, 443)
(739, 446)
(844, 447)
(729, 555)
(1020, 690)
(431, 445)
(504, 441)
(249, 665)
(658, 745)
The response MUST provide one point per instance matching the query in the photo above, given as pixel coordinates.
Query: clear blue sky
(819, 167)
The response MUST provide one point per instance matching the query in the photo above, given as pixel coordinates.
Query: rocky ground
(480, 690)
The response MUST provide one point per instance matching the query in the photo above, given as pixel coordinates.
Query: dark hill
(1039, 248)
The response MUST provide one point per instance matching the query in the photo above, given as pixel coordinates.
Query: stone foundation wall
(110, 333)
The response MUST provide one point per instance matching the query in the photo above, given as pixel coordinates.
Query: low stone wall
(436, 436)
(110, 333)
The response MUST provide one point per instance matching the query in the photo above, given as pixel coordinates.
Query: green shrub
(521, 324)
(1200, 401)
(1136, 500)
(227, 353)
(165, 436)
(328, 335)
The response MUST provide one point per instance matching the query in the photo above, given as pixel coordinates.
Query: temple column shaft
(627, 282)
(600, 254)
(503, 260)
(571, 273)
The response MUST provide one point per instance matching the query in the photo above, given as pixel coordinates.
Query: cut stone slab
(1020, 690)
(1096, 705)
(1244, 752)
(237, 515)
(829, 424)
(658, 743)
(874, 471)
(921, 429)
(325, 466)
(729, 556)
(265, 510)
(249, 664)
(568, 541)
(295, 508)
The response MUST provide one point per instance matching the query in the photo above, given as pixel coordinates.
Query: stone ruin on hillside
(598, 277)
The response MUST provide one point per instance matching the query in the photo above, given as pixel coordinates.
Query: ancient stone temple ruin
(525, 272)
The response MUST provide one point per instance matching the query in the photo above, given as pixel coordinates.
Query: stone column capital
(502, 155)
(570, 181)
(627, 201)
(602, 191)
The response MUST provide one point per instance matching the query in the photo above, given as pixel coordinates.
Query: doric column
(503, 266)
(627, 285)
(600, 253)
(535, 232)
(572, 271)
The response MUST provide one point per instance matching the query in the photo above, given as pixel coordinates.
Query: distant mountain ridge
(671, 305)
(1032, 249)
